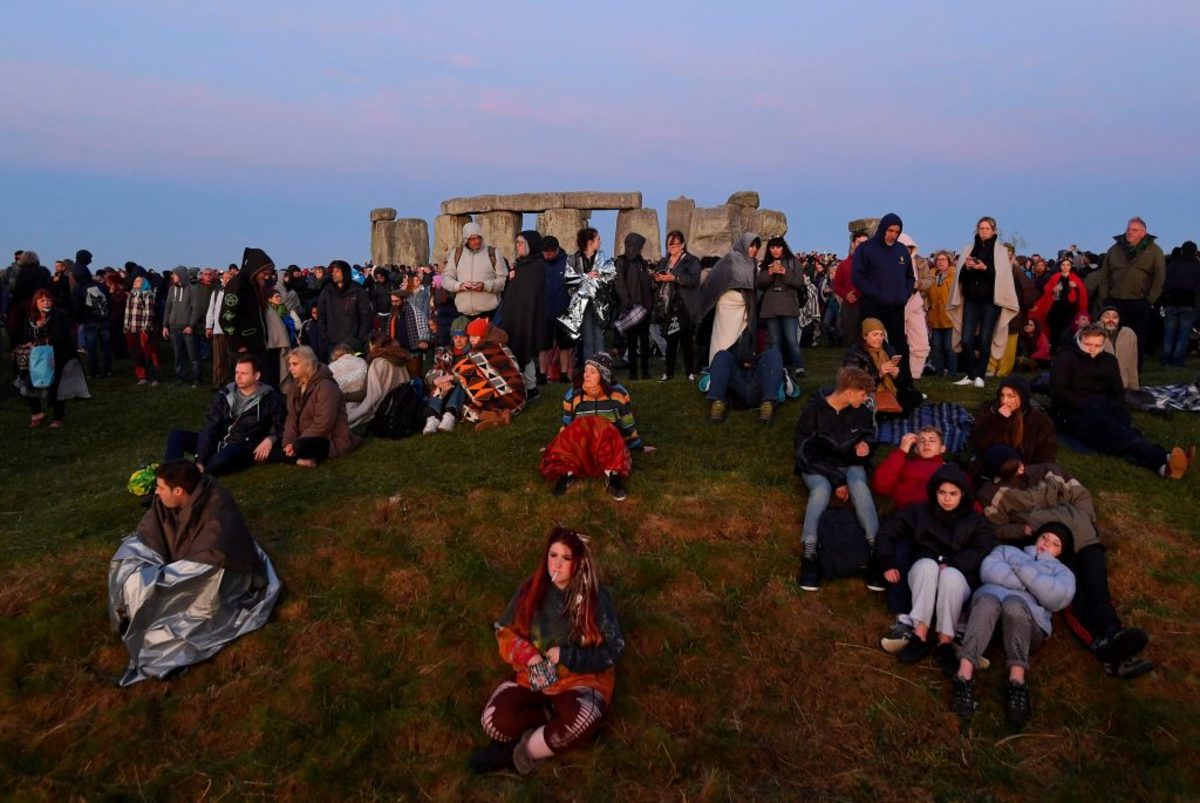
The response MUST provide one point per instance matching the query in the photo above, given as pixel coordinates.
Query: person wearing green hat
(446, 395)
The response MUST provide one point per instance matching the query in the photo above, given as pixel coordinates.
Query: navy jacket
(883, 273)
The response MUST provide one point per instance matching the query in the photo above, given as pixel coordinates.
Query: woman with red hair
(561, 637)
(46, 325)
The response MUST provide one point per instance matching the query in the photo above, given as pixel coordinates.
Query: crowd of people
(306, 363)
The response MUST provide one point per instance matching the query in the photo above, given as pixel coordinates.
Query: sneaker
(691, 377)
(766, 411)
(1128, 669)
(1016, 703)
(665, 378)
(1120, 645)
(917, 650)
(431, 425)
(965, 381)
(496, 757)
(616, 488)
(962, 699)
(945, 656)
(562, 484)
(143, 381)
(532, 395)
(979, 381)
(798, 373)
(153, 383)
(874, 578)
(717, 412)
(897, 638)
(447, 423)
(809, 578)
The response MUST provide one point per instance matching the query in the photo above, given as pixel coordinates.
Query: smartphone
(896, 359)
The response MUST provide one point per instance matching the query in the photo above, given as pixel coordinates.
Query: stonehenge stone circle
(679, 215)
(563, 224)
(447, 234)
(643, 222)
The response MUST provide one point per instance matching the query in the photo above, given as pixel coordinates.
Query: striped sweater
(615, 407)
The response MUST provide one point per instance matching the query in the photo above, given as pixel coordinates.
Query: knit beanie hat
(1064, 535)
(871, 325)
(478, 327)
(602, 362)
(458, 327)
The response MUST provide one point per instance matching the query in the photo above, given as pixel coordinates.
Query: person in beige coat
(387, 371)
(476, 273)
(317, 427)
(982, 302)
(916, 328)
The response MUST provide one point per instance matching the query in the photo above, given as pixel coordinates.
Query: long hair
(785, 256)
(35, 313)
(581, 593)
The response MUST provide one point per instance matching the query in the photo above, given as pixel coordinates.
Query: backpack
(95, 303)
(400, 413)
(491, 252)
(841, 543)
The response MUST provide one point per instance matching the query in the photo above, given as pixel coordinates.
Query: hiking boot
(1016, 703)
(945, 656)
(562, 484)
(1128, 669)
(616, 488)
(431, 425)
(496, 757)
(717, 412)
(897, 638)
(1120, 645)
(916, 650)
(809, 578)
(962, 699)
(766, 411)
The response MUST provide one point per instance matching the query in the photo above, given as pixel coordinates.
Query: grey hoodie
(184, 306)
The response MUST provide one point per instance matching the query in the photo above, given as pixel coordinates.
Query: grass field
(736, 685)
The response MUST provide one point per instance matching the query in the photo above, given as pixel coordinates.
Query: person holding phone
(895, 396)
(781, 283)
(983, 302)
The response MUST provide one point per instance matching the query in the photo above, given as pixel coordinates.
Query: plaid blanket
(1183, 396)
(952, 419)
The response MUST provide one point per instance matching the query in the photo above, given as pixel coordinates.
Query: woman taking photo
(561, 638)
(781, 281)
(676, 304)
(316, 426)
(983, 301)
(46, 325)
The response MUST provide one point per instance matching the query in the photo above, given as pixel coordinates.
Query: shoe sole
(1128, 643)
(893, 645)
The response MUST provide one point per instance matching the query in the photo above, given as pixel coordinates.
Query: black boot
(496, 757)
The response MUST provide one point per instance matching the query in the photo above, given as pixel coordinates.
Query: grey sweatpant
(940, 591)
(1021, 634)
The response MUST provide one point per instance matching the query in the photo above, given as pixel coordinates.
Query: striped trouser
(570, 717)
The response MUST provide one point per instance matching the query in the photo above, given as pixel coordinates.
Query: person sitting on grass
(349, 371)
(446, 395)
(597, 434)
(832, 445)
(895, 396)
(562, 640)
(244, 424)
(1012, 420)
(903, 477)
(490, 377)
(386, 370)
(1021, 588)
(949, 541)
(316, 427)
(190, 579)
(1021, 501)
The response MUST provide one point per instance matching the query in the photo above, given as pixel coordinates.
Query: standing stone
(563, 224)
(447, 234)
(711, 231)
(384, 213)
(767, 223)
(867, 224)
(602, 200)
(410, 242)
(746, 198)
(476, 204)
(742, 215)
(643, 222)
(679, 214)
(383, 242)
(500, 230)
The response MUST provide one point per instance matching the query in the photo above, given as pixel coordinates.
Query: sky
(179, 133)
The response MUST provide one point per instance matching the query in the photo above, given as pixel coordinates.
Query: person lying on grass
(560, 636)
(949, 541)
(1021, 588)
(598, 432)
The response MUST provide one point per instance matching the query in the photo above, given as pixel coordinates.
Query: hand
(889, 369)
(860, 450)
(1028, 531)
(907, 442)
(424, 344)
(776, 270)
(647, 449)
(552, 655)
(290, 450)
(593, 274)
(842, 493)
(534, 660)
(852, 297)
(263, 450)
(892, 576)
(166, 333)
(1004, 410)
(200, 466)
(187, 330)
(208, 334)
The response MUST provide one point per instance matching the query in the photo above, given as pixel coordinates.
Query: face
(1039, 267)
(674, 246)
(1010, 398)
(859, 240)
(460, 342)
(856, 398)
(550, 254)
(475, 340)
(985, 230)
(297, 368)
(1092, 346)
(170, 497)
(874, 338)
(45, 303)
(929, 446)
(591, 376)
(276, 299)
(595, 243)
(244, 375)
(942, 263)
(522, 247)
(336, 275)
(1049, 543)
(396, 301)
(776, 251)
(752, 251)
(560, 563)
(1110, 319)
(475, 242)
(948, 496)
(1134, 232)
(891, 234)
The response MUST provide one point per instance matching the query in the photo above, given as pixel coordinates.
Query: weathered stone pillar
(447, 234)
(645, 223)
(679, 215)
(711, 232)
(867, 224)
(410, 242)
(744, 198)
(381, 232)
(500, 230)
(767, 223)
(563, 224)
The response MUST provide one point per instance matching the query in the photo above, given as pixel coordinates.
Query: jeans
(784, 334)
(1177, 332)
(941, 350)
(981, 316)
(819, 491)
(182, 344)
(748, 386)
(452, 402)
(592, 336)
(938, 593)
(226, 460)
(95, 337)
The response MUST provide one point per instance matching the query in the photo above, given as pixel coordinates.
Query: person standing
(476, 273)
(634, 289)
(982, 302)
(1132, 278)
(781, 283)
(182, 317)
(847, 294)
(882, 271)
(1180, 298)
(678, 305)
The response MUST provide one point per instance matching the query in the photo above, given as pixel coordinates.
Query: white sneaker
(966, 380)
(979, 381)
(431, 426)
(448, 422)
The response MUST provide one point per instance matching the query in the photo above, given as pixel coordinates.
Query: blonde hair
(307, 357)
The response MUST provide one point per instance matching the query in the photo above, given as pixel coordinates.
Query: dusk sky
(178, 133)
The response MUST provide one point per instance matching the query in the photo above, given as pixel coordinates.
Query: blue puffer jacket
(881, 272)
(1042, 581)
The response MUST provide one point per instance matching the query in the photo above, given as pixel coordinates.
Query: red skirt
(587, 447)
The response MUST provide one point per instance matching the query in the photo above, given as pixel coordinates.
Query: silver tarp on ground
(171, 616)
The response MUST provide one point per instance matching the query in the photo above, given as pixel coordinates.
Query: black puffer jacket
(825, 439)
(344, 313)
(264, 416)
